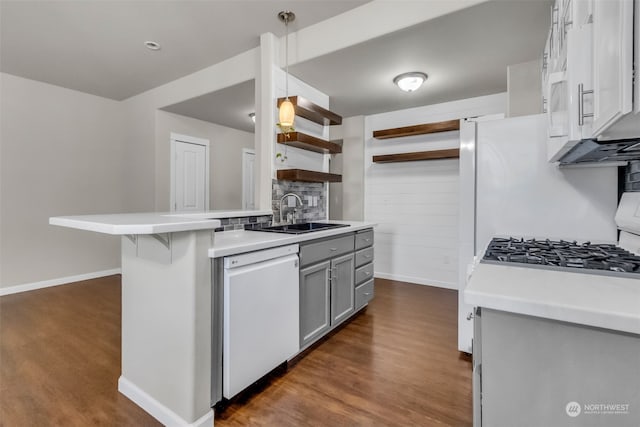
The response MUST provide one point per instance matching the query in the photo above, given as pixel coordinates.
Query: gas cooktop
(561, 255)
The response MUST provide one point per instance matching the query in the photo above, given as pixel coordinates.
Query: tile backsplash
(306, 191)
(240, 223)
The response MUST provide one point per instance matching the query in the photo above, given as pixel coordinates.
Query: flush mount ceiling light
(152, 45)
(410, 82)
(286, 113)
(252, 116)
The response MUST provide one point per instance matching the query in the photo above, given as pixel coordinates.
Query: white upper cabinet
(612, 62)
(570, 99)
(588, 73)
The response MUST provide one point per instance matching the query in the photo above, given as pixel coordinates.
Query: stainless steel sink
(304, 227)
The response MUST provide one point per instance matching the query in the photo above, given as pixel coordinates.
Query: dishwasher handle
(241, 260)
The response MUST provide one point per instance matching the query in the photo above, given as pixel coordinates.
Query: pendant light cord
(286, 56)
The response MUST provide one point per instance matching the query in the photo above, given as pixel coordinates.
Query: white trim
(417, 280)
(244, 177)
(56, 282)
(156, 409)
(173, 139)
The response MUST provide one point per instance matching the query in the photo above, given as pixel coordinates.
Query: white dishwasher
(261, 315)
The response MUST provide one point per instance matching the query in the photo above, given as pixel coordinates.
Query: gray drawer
(364, 294)
(364, 239)
(325, 249)
(364, 256)
(364, 273)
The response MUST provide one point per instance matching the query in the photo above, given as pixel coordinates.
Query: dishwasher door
(261, 315)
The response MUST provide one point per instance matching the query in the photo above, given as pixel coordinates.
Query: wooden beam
(423, 129)
(307, 176)
(453, 153)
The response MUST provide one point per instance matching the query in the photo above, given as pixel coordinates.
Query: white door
(612, 61)
(248, 179)
(189, 174)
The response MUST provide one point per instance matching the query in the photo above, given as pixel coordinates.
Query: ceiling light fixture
(152, 45)
(252, 116)
(410, 82)
(286, 114)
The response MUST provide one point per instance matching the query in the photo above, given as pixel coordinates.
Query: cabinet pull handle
(367, 240)
(581, 114)
(333, 249)
(368, 273)
(367, 256)
(366, 294)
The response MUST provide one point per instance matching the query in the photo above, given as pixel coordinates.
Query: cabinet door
(342, 288)
(558, 108)
(612, 61)
(314, 302)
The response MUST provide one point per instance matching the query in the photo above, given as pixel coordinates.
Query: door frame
(176, 138)
(244, 176)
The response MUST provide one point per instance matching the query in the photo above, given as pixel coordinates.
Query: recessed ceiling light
(409, 82)
(152, 45)
(252, 116)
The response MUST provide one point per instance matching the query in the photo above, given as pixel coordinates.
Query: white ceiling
(97, 46)
(227, 107)
(465, 54)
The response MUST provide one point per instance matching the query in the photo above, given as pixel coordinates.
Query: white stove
(621, 259)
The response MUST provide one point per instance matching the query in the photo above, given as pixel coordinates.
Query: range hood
(592, 151)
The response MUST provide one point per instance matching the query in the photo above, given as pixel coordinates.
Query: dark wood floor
(394, 365)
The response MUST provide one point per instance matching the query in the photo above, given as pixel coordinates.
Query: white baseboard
(157, 410)
(55, 282)
(417, 280)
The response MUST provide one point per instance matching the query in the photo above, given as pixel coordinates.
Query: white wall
(524, 89)
(225, 158)
(62, 153)
(416, 203)
(346, 199)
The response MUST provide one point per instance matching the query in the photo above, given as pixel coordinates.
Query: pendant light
(286, 114)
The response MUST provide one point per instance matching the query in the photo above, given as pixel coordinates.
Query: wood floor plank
(396, 364)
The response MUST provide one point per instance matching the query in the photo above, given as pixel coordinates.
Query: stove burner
(563, 254)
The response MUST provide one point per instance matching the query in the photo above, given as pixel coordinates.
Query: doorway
(248, 179)
(189, 174)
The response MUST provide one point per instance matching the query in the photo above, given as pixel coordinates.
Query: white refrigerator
(508, 188)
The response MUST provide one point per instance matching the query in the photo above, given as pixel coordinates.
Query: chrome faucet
(294, 209)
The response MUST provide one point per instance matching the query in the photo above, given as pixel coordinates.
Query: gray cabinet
(314, 301)
(342, 287)
(330, 271)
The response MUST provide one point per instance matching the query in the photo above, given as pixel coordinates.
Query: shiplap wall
(416, 203)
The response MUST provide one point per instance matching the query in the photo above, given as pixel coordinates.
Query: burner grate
(561, 253)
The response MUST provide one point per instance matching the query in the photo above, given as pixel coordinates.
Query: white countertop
(588, 299)
(235, 242)
(149, 223)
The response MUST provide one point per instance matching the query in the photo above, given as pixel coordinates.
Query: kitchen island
(554, 348)
(169, 278)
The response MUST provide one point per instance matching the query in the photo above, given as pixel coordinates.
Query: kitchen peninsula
(171, 273)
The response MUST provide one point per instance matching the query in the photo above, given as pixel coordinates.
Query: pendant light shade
(286, 114)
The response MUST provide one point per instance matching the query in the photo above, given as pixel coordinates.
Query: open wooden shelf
(307, 176)
(423, 129)
(310, 111)
(311, 143)
(453, 153)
